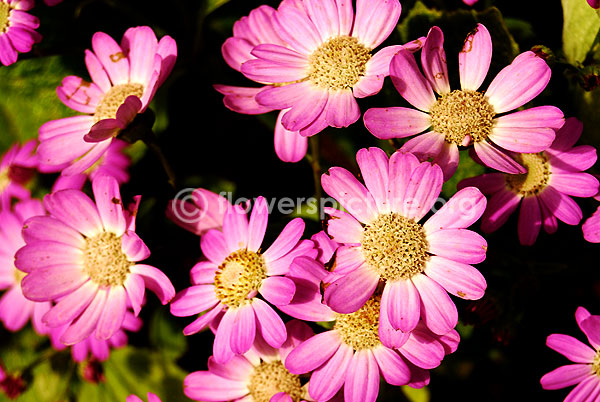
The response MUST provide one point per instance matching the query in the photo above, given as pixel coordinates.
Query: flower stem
(316, 165)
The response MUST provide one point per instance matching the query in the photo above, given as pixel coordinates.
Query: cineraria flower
(17, 168)
(15, 309)
(236, 271)
(591, 227)
(594, 3)
(258, 375)
(382, 240)
(352, 354)
(544, 191)
(125, 78)
(198, 211)
(98, 349)
(17, 29)
(468, 115)
(586, 370)
(151, 398)
(86, 254)
(115, 162)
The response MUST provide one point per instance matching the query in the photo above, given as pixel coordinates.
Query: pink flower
(17, 29)
(114, 163)
(383, 241)
(586, 370)
(258, 375)
(15, 309)
(354, 355)
(545, 191)
(314, 58)
(86, 254)
(228, 283)
(468, 115)
(17, 168)
(151, 398)
(125, 78)
(198, 211)
(97, 349)
(594, 3)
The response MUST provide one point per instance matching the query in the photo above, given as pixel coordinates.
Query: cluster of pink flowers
(382, 277)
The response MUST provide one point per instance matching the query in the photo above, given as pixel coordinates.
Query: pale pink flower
(17, 168)
(15, 309)
(125, 78)
(198, 211)
(17, 29)
(354, 354)
(151, 398)
(544, 192)
(468, 115)
(384, 243)
(257, 375)
(85, 254)
(227, 285)
(585, 372)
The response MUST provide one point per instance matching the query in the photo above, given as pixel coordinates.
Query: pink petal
(587, 390)
(206, 386)
(142, 48)
(136, 289)
(572, 348)
(362, 378)
(437, 309)
(459, 245)
(96, 71)
(530, 220)
(270, 324)
(71, 306)
(236, 369)
(242, 99)
(375, 21)
(535, 117)
(474, 58)
(402, 304)
(306, 109)
(201, 322)
(244, 330)
(303, 358)
(393, 368)
(575, 159)
(500, 207)
(87, 321)
(565, 376)
(326, 380)
(575, 184)
(523, 139)
(113, 313)
(457, 278)
(257, 225)
(278, 290)
(518, 83)
(401, 168)
(560, 205)
(134, 248)
(297, 30)
(44, 253)
(342, 109)
(222, 352)
(286, 241)
(112, 58)
(568, 134)
(109, 203)
(156, 281)
(373, 163)
(51, 282)
(214, 247)
(343, 227)
(433, 61)
(395, 122)
(270, 70)
(349, 293)
(324, 14)
(497, 159)
(423, 189)
(409, 81)
(103, 130)
(235, 228)
(193, 300)
(290, 146)
(464, 208)
(488, 183)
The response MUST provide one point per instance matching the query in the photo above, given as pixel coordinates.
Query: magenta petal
(75, 209)
(395, 122)
(433, 61)
(349, 293)
(257, 225)
(423, 189)
(495, 158)
(561, 205)
(235, 227)
(290, 146)
(43, 253)
(457, 278)
(524, 140)
(51, 282)
(401, 168)
(423, 350)
(389, 336)
(109, 203)
(530, 220)
(572, 348)
(286, 241)
(326, 380)
(44, 228)
(241, 99)
(342, 109)
(375, 21)
(518, 83)
(108, 51)
(237, 369)
(136, 290)
(214, 247)
(193, 300)
(409, 81)
(156, 281)
(103, 130)
(393, 368)
(459, 245)
(128, 110)
(437, 309)
(244, 330)
(86, 323)
(474, 58)
(488, 183)
(271, 326)
(134, 247)
(205, 319)
(206, 386)
(591, 328)
(362, 378)
(278, 290)
(464, 208)
(402, 304)
(575, 184)
(565, 376)
(373, 163)
(586, 390)
(113, 314)
(222, 352)
(535, 117)
(343, 227)
(306, 109)
(574, 159)
(303, 358)
(69, 307)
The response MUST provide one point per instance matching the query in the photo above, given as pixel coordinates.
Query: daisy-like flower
(585, 372)
(226, 286)
(591, 226)
(328, 61)
(151, 398)
(198, 211)
(85, 256)
(544, 192)
(468, 115)
(17, 168)
(96, 349)
(383, 241)
(353, 355)
(17, 29)
(594, 3)
(258, 375)
(125, 78)
(15, 309)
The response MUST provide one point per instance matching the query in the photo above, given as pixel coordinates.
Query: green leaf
(580, 28)
(416, 394)
(467, 167)
(212, 5)
(166, 336)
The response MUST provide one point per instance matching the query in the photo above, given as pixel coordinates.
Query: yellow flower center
(536, 178)
(4, 177)
(461, 113)
(239, 276)
(395, 246)
(4, 16)
(108, 106)
(104, 260)
(19, 275)
(360, 330)
(338, 63)
(596, 364)
(269, 379)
